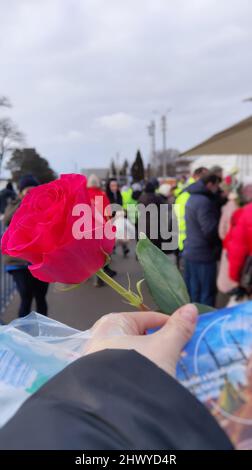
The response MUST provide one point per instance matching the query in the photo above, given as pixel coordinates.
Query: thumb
(177, 332)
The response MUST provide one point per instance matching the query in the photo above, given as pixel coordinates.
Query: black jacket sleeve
(113, 399)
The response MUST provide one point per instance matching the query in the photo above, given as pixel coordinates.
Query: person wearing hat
(28, 286)
(6, 195)
(165, 191)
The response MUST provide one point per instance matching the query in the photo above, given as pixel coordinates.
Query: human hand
(127, 331)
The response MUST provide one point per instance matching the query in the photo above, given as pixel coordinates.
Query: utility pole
(163, 128)
(152, 133)
(117, 166)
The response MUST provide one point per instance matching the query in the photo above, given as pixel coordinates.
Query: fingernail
(189, 313)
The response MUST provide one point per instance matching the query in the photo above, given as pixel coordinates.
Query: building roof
(235, 140)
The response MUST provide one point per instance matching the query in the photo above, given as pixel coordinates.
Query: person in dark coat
(155, 222)
(6, 196)
(121, 395)
(220, 195)
(28, 286)
(115, 198)
(202, 246)
(113, 192)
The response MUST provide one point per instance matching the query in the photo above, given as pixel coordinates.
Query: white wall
(228, 162)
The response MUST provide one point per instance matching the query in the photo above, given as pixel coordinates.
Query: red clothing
(238, 241)
(102, 202)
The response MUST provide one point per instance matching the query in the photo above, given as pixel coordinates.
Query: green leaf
(139, 288)
(163, 279)
(204, 308)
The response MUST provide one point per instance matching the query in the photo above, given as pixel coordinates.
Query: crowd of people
(214, 236)
(211, 214)
(207, 214)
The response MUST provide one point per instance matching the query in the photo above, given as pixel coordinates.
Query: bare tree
(5, 102)
(10, 136)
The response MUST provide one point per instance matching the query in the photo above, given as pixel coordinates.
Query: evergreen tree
(137, 169)
(113, 172)
(124, 169)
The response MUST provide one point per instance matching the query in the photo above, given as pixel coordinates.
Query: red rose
(228, 180)
(41, 232)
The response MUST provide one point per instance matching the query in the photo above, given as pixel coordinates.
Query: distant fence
(7, 285)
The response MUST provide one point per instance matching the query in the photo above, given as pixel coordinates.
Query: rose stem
(131, 297)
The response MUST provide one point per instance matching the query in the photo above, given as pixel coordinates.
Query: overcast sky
(85, 76)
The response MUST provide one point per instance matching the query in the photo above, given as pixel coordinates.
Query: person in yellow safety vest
(130, 198)
(180, 186)
(190, 180)
(180, 207)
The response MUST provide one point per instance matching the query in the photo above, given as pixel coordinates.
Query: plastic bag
(32, 350)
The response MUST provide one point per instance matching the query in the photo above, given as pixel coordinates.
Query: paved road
(82, 306)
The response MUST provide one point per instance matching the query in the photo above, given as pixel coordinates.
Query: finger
(177, 332)
(148, 320)
(127, 323)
